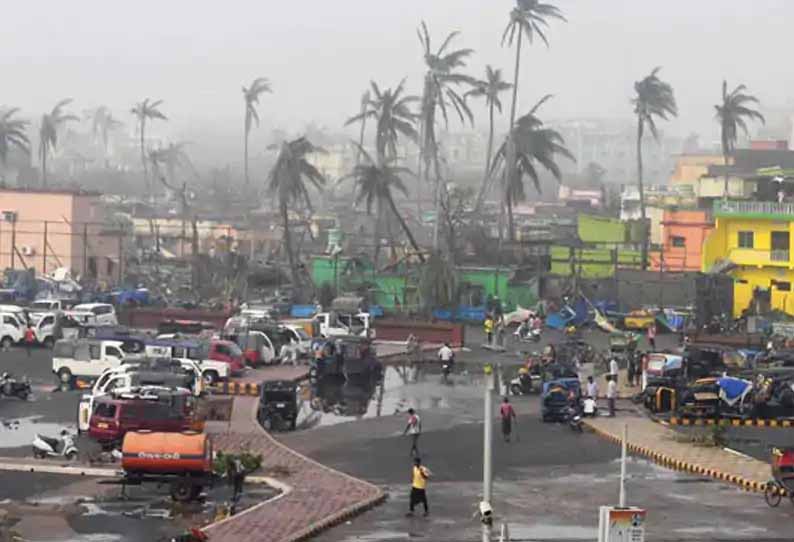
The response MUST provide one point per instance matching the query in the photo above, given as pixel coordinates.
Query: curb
(731, 422)
(378, 497)
(672, 463)
(46, 468)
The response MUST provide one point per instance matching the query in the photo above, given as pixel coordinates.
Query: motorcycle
(525, 334)
(575, 420)
(525, 383)
(11, 387)
(65, 447)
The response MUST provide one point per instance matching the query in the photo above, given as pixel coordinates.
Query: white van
(20, 312)
(104, 314)
(12, 328)
(44, 328)
(85, 358)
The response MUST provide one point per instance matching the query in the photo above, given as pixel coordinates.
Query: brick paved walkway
(658, 443)
(320, 496)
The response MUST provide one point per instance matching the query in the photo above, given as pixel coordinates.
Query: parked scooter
(52, 447)
(11, 387)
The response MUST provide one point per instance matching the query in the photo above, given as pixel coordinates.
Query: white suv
(104, 314)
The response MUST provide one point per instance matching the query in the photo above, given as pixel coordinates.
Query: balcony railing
(750, 256)
(759, 208)
(779, 255)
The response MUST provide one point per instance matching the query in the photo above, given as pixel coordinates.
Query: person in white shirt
(413, 428)
(613, 370)
(592, 387)
(612, 394)
(445, 353)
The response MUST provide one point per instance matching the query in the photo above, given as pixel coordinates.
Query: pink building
(48, 229)
(683, 234)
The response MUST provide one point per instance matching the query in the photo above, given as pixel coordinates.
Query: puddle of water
(21, 431)
(546, 532)
(712, 530)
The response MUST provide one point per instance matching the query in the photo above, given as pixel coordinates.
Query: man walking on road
(419, 477)
(613, 370)
(508, 415)
(592, 387)
(413, 428)
(652, 336)
(612, 394)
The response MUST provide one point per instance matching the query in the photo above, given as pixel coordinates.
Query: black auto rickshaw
(278, 405)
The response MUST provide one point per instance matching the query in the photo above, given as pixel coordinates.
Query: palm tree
(251, 97)
(654, 99)
(102, 123)
(489, 88)
(12, 134)
(287, 182)
(374, 181)
(144, 111)
(48, 133)
(732, 114)
(364, 106)
(393, 118)
(440, 92)
(533, 143)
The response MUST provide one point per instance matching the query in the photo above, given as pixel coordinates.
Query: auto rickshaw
(278, 405)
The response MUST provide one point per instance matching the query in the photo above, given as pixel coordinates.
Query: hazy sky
(320, 54)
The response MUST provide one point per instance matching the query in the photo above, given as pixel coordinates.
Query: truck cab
(103, 313)
(190, 351)
(335, 324)
(12, 328)
(43, 306)
(44, 327)
(85, 358)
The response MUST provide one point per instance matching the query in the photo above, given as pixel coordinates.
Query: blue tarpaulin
(302, 311)
(733, 390)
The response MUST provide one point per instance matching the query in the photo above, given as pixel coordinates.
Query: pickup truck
(87, 358)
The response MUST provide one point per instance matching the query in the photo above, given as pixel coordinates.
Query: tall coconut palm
(251, 98)
(489, 88)
(287, 181)
(654, 99)
(534, 144)
(375, 179)
(441, 91)
(733, 114)
(48, 133)
(102, 123)
(145, 111)
(364, 107)
(393, 118)
(12, 134)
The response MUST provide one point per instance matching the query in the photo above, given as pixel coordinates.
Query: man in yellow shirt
(420, 476)
(488, 328)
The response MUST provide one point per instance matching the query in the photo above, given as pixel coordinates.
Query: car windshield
(280, 396)
(234, 350)
(41, 305)
(302, 335)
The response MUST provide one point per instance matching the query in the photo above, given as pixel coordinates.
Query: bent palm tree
(364, 106)
(12, 134)
(489, 88)
(533, 143)
(251, 98)
(442, 81)
(102, 123)
(393, 118)
(287, 182)
(374, 181)
(145, 111)
(732, 114)
(48, 133)
(654, 99)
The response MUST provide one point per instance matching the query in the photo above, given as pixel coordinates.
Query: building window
(782, 286)
(678, 241)
(746, 239)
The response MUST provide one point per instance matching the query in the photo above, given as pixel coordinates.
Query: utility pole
(44, 251)
(13, 241)
(622, 499)
(486, 512)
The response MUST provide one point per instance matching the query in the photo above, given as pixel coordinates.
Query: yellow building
(753, 240)
(691, 167)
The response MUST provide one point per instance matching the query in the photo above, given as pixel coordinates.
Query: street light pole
(622, 499)
(487, 456)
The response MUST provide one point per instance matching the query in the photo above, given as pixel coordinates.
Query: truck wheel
(65, 375)
(6, 343)
(49, 342)
(181, 490)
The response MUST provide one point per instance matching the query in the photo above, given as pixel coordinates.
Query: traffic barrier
(732, 422)
(685, 466)
(236, 388)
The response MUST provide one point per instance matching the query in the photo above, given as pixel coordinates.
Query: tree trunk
(44, 167)
(245, 158)
(147, 187)
(725, 190)
(641, 188)
(510, 163)
(511, 235)
(377, 229)
(486, 177)
(515, 82)
(404, 226)
(288, 245)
